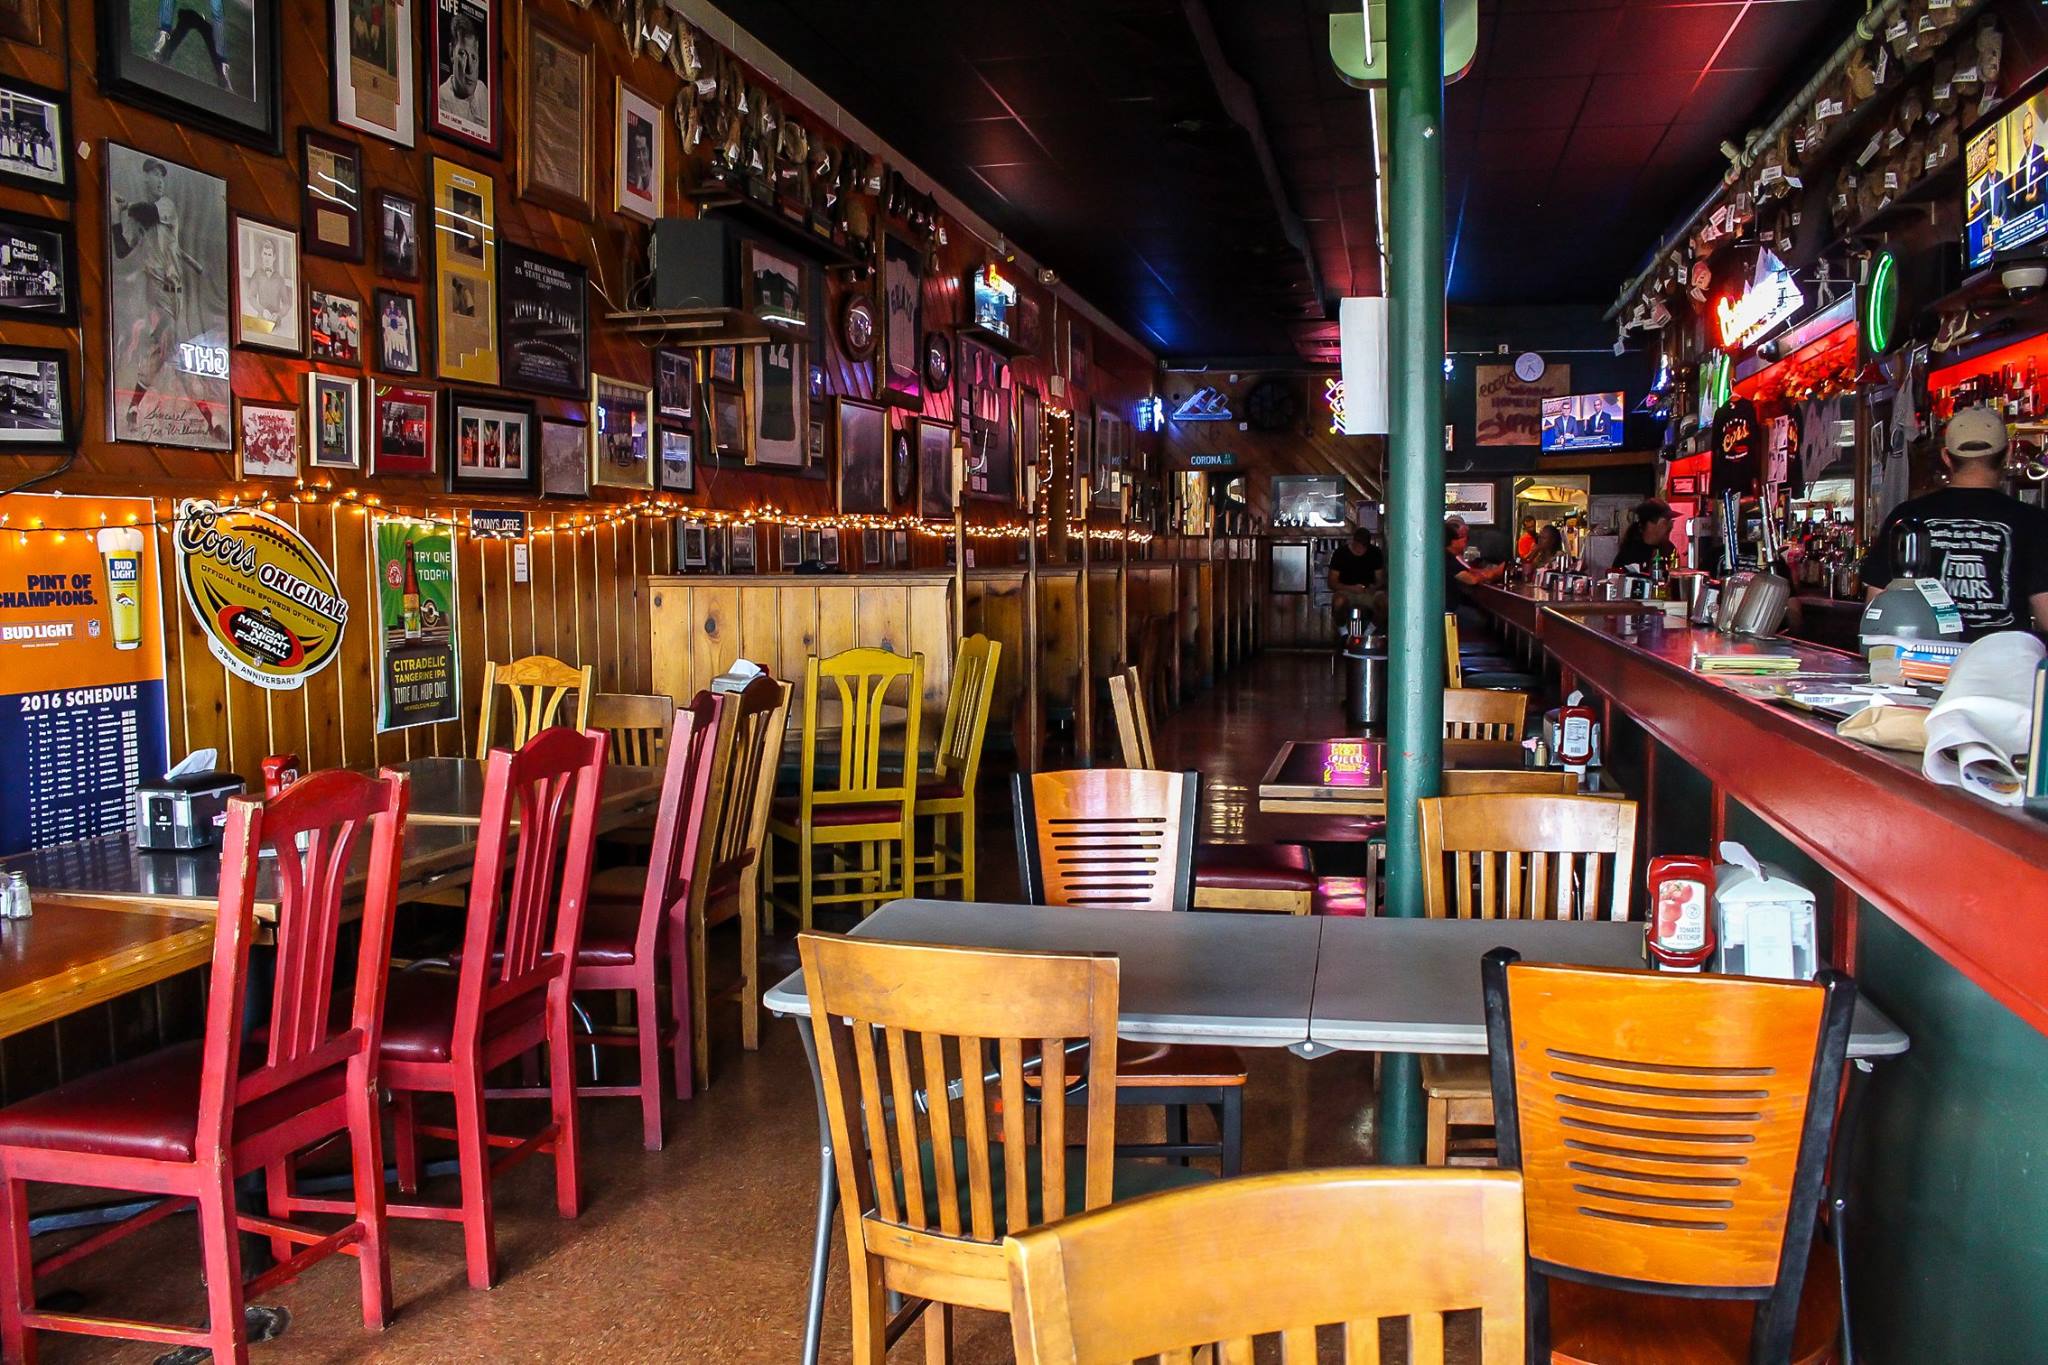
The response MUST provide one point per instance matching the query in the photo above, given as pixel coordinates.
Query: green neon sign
(1879, 313)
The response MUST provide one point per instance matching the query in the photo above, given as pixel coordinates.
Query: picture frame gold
(557, 108)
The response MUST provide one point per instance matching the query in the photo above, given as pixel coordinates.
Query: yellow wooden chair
(539, 686)
(866, 823)
(1133, 718)
(947, 796)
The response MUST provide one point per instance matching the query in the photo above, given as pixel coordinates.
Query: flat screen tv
(1583, 421)
(2005, 183)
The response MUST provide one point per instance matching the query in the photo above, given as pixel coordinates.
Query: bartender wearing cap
(1648, 536)
(1993, 548)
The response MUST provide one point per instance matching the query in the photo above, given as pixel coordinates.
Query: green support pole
(1415, 493)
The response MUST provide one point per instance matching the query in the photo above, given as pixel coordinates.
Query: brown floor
(700, 1252)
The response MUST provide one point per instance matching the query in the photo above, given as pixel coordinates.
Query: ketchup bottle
(1681, 936)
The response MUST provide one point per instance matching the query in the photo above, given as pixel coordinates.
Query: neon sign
(1881, 304)
(1765, 300)
(1333, 394)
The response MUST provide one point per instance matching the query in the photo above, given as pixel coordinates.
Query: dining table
(450, 791)
(1314, 986)
(1347, 776)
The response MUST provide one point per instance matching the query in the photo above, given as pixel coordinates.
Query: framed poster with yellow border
(465, 273)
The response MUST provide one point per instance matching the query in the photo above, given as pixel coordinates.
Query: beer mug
(121, 554)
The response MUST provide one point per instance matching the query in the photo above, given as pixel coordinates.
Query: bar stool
(950, 793)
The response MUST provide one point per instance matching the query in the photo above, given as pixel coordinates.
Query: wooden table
(71, 955)
(1349, 776)
(450, 791)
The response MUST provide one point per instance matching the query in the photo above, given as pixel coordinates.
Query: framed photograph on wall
(489, 443)
(678, 473)
(1290, 569)
(21, 21)
(167, 329)
(675, 387)
(398, 332)
(401, 430)
(331, 196)
(564, 459)
(270, 440)
(901, 377)
(543, 322)
(637, 137)
(1029, 417)
(774, 286)
(40, 417)
(725, 365)
(398, 235)
(621, 453)
(742, 550)
(201, 69)
(690, 544)
(781, 404)
(789, 548)
(828, 549)
(557, 109)
(36, 155)
(462, 94)
(934, 470)
(268, 302)
(729, 424)
(373, 87)
(465, 273)
(332, 416)
(863, 457)
(336, 330)
(870, 547)
(38, 269)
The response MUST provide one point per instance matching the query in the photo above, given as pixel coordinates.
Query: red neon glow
(2034, 348)
(1826, 363)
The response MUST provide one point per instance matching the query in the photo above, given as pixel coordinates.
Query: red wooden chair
(509, 993)
(184, 1122)
(622, 941)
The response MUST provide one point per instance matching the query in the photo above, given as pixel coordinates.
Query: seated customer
(1459, 575)
(1647, 537)
(1358, 578)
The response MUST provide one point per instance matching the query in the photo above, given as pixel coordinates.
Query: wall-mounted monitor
(1315, 501)
(1584, 421)
(2005, 183)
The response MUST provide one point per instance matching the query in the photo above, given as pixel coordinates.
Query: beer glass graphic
(121, 552)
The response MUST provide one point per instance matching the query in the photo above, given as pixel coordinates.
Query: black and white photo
(35, 400)
(564, 459)
(542, 318)
(398, 332)
(268, 303)
(678, 463)
(38, 269)
(675, 386)
(337, 328)
(207, 64)
(398, 235)
(167, 303)
(462, 40)
(373, 86)
(35, 129)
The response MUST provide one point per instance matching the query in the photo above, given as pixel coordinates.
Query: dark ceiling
(1102, 137)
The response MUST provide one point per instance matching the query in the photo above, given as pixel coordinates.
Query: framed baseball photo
(40, 416)
(637, 137)
(167, 303)
(401, 430)
(213, 69)
(270, 440)
(398, 332)
(35, 154)
(373, 86)
(462, 94)
(489, 443)
(332, 415)
(398, 235)
(336, 331)
(38, 268)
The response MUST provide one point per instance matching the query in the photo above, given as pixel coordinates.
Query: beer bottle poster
(82, 700)
(418, 676)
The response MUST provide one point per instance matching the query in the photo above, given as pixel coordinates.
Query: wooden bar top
(1523, 604)
(1968, 878)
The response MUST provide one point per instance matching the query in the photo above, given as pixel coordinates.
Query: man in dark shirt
(1358, 578)
(1991, 547)
(1458, 575)
(1648, 536)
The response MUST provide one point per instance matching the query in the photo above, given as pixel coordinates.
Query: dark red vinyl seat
(419, 1016)
(1255, 867)
(940, 789)
(787, 810)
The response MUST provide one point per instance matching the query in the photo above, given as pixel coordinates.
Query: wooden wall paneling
(933, 622)
(759, 620)
(1059, 633)
(1103, 656)
(996, 609)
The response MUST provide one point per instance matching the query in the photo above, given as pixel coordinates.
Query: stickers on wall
(265, 600)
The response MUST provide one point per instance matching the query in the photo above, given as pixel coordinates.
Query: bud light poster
(419, 681)
(82, 717)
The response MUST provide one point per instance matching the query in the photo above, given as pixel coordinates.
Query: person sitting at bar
(1525, 544)
(1544, 550)
(1648, 536)
(1460, 575)
(1358, 578)
(1993, 548)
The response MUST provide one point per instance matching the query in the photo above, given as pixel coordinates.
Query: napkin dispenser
(187, 806)
(1764, 922)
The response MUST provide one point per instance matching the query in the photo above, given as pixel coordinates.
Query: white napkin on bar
(1984, 717)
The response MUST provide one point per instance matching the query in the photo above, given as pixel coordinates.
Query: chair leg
(17, 1273)
(405, 1141)
(803, 880)
(647, 1012)
(366, 1149)
(473, 1159)
(1437, 1137)
(1230, 1119)
(700, 997)
(967, 837)
(870, 1310)
(221, 1258)
(750, 965)
(1177, 1130)
(277, 1187)
(682, 992)
(562, 1100)
(938, 1334)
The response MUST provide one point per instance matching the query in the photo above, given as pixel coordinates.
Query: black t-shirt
(1637, 554)
(1356, 568)
(1992, 549)
(1454, 591)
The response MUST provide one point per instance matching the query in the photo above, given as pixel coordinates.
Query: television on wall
(2005, 183)
(1584, 421)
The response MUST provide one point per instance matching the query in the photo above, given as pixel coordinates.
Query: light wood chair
(637, 726)
(1474, 713)
(1271, 877)
(923, 1051)
(947, 797)
(866, 823)
(729, 883)
(1513, 857)
(539, 686)
(1673, 1136)
(1469, 782)
(1280, 1255)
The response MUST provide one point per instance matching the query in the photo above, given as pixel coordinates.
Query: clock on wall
(1529, 367)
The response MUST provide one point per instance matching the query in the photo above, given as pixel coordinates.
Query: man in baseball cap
(1992, 548)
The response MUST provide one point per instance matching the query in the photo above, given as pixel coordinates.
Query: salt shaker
(16, 904)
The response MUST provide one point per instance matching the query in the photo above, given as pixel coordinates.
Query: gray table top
(1316, 985)
(1198, 977)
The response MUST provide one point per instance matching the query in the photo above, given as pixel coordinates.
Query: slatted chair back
(1269, 1259)
(636, 723)
(1454, 667)
(1672, 1131)
(967, 708)
(315, 829)
(676, 856)
(1508, 781)
(522, 928)
(1527, 857)
(866, 684)
(743, 782)
(923, 1053)
(1117, 838)
(1133, 720)
(539, 687)
(1474, 713)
